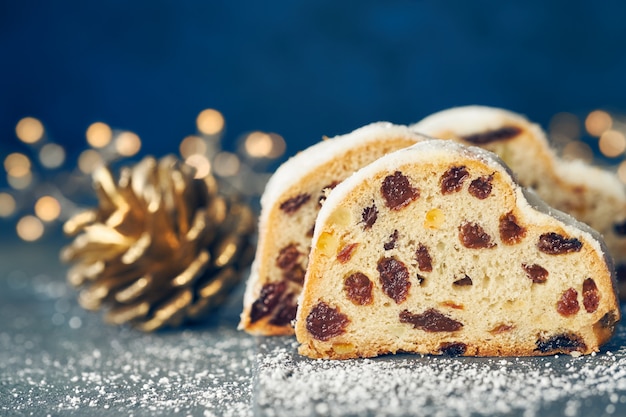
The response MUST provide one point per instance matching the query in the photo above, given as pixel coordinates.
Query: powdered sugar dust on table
(57, 359)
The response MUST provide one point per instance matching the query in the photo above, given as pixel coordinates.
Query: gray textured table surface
(58, 360)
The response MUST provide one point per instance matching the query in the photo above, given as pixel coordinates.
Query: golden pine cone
(161, 248)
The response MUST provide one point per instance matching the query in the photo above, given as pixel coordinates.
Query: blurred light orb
(210, 122)
(52, 155)
(597, 122)
(621, 172)
(127, 144)
(29, 130)
(99, 135)
(565, 125)
(258, 145)
(612, 143)
(200, 163)
(89, 160)
(48, 208)
(192, 145)
(226, 164)
(29, 228)
(278, 145)
(20, 183)
(578, 150)
(7, 205)
(17, 164)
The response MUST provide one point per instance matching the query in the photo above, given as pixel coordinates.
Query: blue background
(301, 69)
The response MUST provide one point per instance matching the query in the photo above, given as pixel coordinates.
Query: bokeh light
(99, 135)
(200, 163)
(52, 155)
(621, 172)
(89, 160)
(597, 122)
(612, 143)
(258, 144)
(22, 182)
(7, 205)
(226, 164)
(29, 228)
(127, 144)
(48, 208)
(192, 145)
(17, 164)
(564, 127)
(29, 130)
(210, 122)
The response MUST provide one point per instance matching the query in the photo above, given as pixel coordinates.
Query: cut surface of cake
(289, 206)
(592, 195)
(435, 249)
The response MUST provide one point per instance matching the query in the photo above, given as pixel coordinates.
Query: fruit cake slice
(289, 206)
(592, 195)
(435, 249)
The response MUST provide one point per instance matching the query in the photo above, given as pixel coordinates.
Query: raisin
(466, 280)
(452, 180)
(504, 133)
(556, 244)
(369, 215)
(510, 231)
(394, 278)
(620, 228)
(392, 241)
(286, 311)
(287, 257)
(591, 296)
(424, 261)
(295, 274)
(501, 328)
(325, 322)
(329, 187)
(267, 301)
(453, 348)
(560, 343)
(568, 304)
(293, 204)
(430, 320)
(481, 187)
(608, 321)
(345, 254)
(398, 191)
(536, 273)
(358, 288)
(420, 279)
(473, 236)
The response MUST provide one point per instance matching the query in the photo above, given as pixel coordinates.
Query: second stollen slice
(436, 249)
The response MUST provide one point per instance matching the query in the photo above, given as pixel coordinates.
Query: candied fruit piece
(510, 231)
(556, 244)
(391, 243)
(453, 348)
(568, 304)
(267, 301)
(465, 281)
(288, 256)
(293, 204)
(591, 295)
(345, 254)
(560, 343)
(434, 218)
(358, 288)
(369, 216)
(430, 320)
(473, 236)
(481, 187)
(327, 244)
(341, 217)
(398, 191)
(537, 273)
(343, 348)
(286, 311)
(501, 328)
(325, 322)
(452, 304)
(424, 261)
(394, 278)
(452, 180)
(503, 133)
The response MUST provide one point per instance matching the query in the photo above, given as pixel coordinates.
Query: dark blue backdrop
(302, 69)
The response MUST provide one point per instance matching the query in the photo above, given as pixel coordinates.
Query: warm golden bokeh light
(99, 135)
(127, 144)
(29, 130)
(17, 164)
(258, 144)
(578, 150)
(226, 164)
(192, 145)
(621, 172)
(278, 145)
(210, 122)
(29, 228)
(89, 160)
(47, 208)
(612, 143)
(7, 205)
(200, 163)
(597, 122)
(52, 155)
